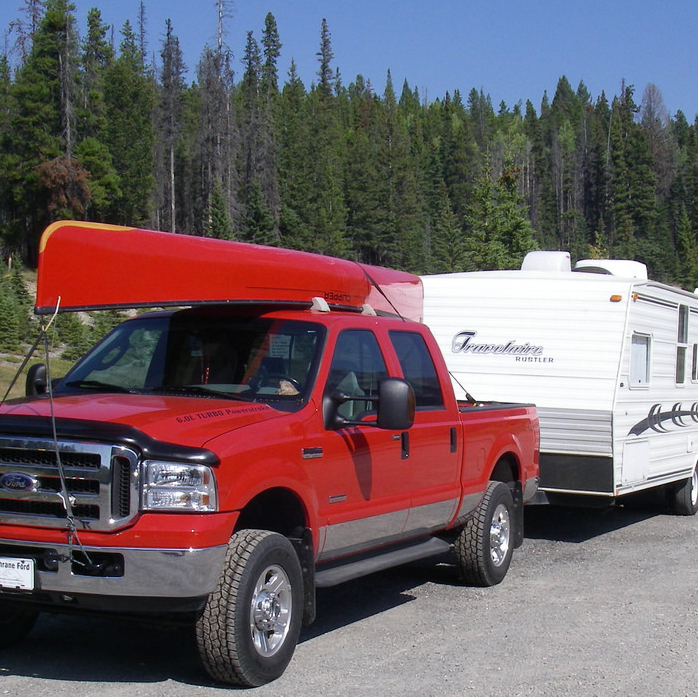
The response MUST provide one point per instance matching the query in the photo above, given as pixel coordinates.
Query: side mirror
(396, 404)
(36, 380)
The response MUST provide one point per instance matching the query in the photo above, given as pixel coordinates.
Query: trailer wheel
(16, 621)
(249, 627)
(485, 546)
(685, 495)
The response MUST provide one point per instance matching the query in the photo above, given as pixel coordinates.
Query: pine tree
(216, 150)
(217, 224)
(170, 108)
(41, 135)
(130, 99)
(687, 253)
(260, 194)
(500, 234)
(398, 240)
(25, 27)
(295, 164)
(450, 253)
(634, 185)
(15, 304)
(360, 180)
(91, 149)
(73, 334)
(325, 56)
(258, 223)
(97, 55)
(327, 209)
(458, 155)
(268, 174)
(10, 333)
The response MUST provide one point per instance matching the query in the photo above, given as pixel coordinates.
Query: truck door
(362, 480)
(435, 451)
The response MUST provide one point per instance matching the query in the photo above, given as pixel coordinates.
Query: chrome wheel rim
(270, 611)
(500, 534)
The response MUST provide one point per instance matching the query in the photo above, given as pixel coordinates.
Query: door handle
(405, 444)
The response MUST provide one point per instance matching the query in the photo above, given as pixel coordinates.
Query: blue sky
(514, 50)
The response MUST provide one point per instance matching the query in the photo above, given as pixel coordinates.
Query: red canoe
(88, 266)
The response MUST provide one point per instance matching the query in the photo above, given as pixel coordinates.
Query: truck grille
(101, 480)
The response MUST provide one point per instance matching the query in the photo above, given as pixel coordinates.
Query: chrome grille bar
(102, 482)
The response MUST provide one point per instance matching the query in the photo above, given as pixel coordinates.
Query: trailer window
(694, 364)
(640, 360)
(682, 345)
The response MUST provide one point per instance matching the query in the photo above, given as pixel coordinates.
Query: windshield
(206, 354)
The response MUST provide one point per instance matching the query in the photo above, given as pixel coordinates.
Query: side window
(640, 360)
(418, 368)
(682, 345)
(356, 368)
(694, 364)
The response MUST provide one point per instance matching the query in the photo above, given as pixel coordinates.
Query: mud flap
(517, 495)
(304, 550)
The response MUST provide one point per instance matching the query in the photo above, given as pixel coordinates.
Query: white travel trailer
(609, 357)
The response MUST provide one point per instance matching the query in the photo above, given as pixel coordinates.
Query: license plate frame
(17, 573)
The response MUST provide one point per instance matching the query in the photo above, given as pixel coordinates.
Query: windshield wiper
(195, 390)
(97, 385)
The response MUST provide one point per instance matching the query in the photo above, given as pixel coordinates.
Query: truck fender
(507, 447)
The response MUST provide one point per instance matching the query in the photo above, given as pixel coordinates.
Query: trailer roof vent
(624, 268)
(546, 261)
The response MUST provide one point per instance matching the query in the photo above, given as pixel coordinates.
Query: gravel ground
(595, 603)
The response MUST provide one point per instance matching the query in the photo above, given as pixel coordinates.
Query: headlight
(168, 486)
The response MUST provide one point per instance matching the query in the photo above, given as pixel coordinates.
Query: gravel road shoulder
(595, 603)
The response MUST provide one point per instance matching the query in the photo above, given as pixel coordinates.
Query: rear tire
(685, 495)
(249, 628)
(16, 621)
(485, 546)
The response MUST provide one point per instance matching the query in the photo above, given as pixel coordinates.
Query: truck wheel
(16, 621)
(485, 546)
(685, 497)
(249, 627)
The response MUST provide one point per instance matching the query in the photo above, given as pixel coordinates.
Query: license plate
(17, 574)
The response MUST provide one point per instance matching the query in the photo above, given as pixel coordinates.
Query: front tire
(685, 495)
(249, 628)
(485, 546)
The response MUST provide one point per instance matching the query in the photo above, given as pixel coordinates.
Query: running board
(324, 578)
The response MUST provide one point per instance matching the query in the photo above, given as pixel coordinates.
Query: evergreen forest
(104, 127)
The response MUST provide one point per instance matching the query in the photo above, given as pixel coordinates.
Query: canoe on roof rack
(90, 266)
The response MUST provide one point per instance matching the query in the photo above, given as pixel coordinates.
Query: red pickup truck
(219, 463)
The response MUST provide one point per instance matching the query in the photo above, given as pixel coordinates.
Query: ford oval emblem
(17, 481)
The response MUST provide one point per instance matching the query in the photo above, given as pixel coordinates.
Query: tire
(16, 621)
(249, 627)
(485, 546)
(685, 495)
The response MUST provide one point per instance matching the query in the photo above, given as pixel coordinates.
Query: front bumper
(116, 579)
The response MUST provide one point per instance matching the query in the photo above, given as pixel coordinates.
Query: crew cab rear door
(435, 450)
